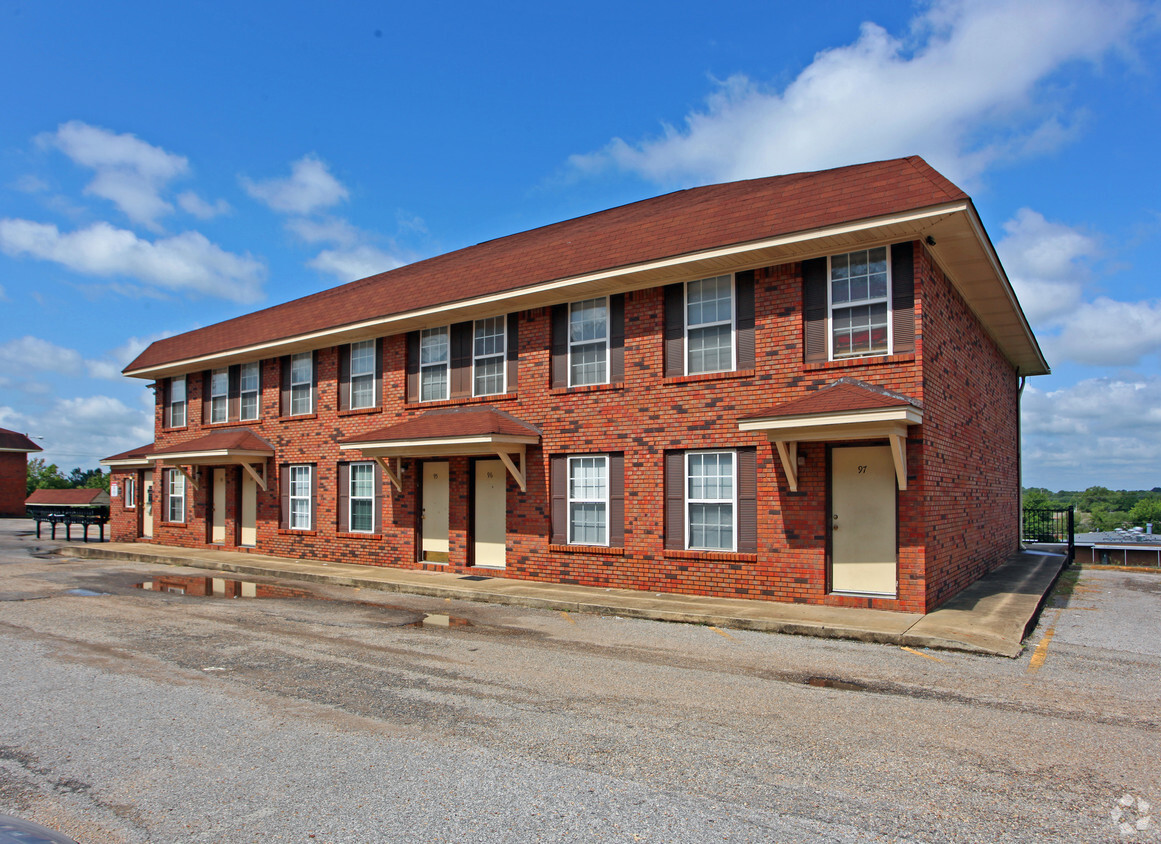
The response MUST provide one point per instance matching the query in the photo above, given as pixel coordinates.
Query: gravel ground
(139, 716)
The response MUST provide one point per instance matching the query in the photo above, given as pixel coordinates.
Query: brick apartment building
(799, 388)
(14, 451)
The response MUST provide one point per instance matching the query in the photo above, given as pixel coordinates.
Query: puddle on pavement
(832, 683)
(85, 593)
(223, 587)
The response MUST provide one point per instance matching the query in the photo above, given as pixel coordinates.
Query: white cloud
(309, 188)
(186, 262)
(191, 203)
(329, 230)
(32, 354)
(1104, 431)
(355, 262)
(1106, 332)
(1048, 264)
(966, 91)
(128, 171)
(80, 431)
(3, 294)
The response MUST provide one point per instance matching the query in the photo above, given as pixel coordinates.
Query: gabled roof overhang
(961, 248)
(237, 447)
(870, 414)
(136, 458)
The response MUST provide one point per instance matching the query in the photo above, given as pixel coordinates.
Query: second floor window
(175, 403)
(433, 364)
(588, 342)
(363, 374)
(301, 383)
(219, 395)
(488, 361)
(709, 325)
(248, 379)
(859, 295)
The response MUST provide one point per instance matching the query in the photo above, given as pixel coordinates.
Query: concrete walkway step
(990, 617)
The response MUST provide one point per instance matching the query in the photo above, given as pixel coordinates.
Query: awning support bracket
(189, 477)
(788, 454)
(518, 474)
(899, 454)
(394, 475)
(258, 479)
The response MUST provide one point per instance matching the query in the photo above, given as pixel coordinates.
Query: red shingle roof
(232, 439)
(439, 424)
(68, 497)
(842, 396)
(139, 453)
(679, 223)
(14, 441)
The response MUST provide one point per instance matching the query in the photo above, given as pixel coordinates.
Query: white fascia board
(489, 440)
(208, 457)
(129, 463)
(906, 415)
(381, 326)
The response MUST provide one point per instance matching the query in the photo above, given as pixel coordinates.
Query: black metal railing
(1057, 527)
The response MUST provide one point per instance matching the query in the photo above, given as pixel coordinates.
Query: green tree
(88, 479)
(43, 475)
(1147, 511)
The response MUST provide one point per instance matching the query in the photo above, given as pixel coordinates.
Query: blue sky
(167, 166)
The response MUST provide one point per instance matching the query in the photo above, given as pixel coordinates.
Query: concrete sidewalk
(990, 617)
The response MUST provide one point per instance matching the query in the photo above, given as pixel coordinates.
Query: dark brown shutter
(413, 366)
(512, 351)
(674, 331)
(462, 335)
(617, 338)
(313, 497)
(344, 497)
(674, 500)
(814, 310)
(377, 504)
(903, 297)
(378, 372)
(617, 500)
(166, 406)
(559, 346)
(558, 482)
(165, 494)
(313, 390)
(284, 494)
(284, 388)
(744, 311)
(206, 376)
(234, 408)
(345, 376)
(748, 500)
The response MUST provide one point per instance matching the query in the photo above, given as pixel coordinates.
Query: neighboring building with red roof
(14, 451)
(800, 388)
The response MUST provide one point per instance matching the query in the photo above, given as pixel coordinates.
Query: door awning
(230, 447)
(444, 433)
(134, 458)
(848, 409)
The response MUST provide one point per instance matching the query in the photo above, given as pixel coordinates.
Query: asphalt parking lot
(131, 715)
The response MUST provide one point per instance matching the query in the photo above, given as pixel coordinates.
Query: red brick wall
(940, 534)
(13, 483)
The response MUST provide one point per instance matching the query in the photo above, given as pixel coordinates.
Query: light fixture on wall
(929, 240)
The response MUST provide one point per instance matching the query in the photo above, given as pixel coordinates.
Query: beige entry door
(147, 516)
(862, 521)
(218, 525)
(490, 530)
(434, 530)
(248, 531)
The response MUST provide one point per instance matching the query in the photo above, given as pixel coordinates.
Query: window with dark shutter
(814, 316)
(674, 330)
(617, 337)
(903, 297)
(559, 346)
(344, 498)
(512, 352)
(617, 500)
(674, 500)
(558, 480)
(744, 295)
(461, 360)
(748, 500)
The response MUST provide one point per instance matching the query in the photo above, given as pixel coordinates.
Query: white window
(300, 498)
(362, 498)
(176, 496)
(710, 493)
(362, 374)
(219, 395)
(176, 409)
(859, 296)
(433, 364)
(302, 384)
(588, 342)
(249, 391)
(488, 350)
(130, 492)
(588, 500)
(709, 325)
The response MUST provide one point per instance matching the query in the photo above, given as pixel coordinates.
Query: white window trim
(608, 333)
(351, 497)
(130, 494)
(257, 391)
(890, 301)
(446, 365)
(353, 375)
(309, 383)
(171, 404)
(503, 355)
(223, 396)
(733, 325)
(569, 500)
(309, 497)
(734, 500)
(176, 478)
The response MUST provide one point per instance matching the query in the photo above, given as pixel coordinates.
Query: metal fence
(1057, 527)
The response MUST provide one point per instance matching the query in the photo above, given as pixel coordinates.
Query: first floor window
(588, 500)
(363, 374)
(130, 492)
(488, 350)
(859, 293)
(709, 325)
(301, 383)
(433, 364)
(362, 501)
(709, 501)
(300, 498)
(176, 490)
(219, 395)
(248, 378)
(588, 342)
